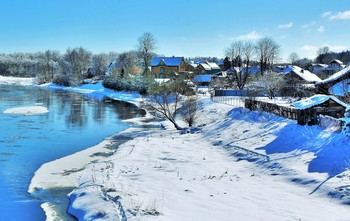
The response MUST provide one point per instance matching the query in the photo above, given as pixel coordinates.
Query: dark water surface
(74, 122)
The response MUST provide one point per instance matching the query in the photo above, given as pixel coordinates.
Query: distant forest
(325, 58)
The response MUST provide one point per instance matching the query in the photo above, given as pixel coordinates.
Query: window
(162, 70)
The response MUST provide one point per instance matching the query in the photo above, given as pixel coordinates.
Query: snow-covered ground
(16, 80)
(241, 165)
(238, 165)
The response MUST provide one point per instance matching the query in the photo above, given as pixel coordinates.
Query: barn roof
(168, 61)
(336, 76)
(317, 100)
(304, 74)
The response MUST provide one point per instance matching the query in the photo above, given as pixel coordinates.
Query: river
(73, 123)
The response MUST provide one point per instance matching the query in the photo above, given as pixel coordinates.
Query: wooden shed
(309, 109)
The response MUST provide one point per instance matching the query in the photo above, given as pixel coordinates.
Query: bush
(62, 80)
(138, 84)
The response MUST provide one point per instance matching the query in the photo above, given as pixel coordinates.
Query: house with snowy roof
(300, 74)
(207, 68)
(317, 68)
(166, 67)
(334, 66)
(204, 72)
(336, 84)
(309, 109)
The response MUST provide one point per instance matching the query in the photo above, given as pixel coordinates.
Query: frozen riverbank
(66, 129)
(240, 165)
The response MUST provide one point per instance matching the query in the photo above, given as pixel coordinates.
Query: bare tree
(145, 48)
(189, 110)
(241, 54)
(323, 55)
(267, 51)
(127, 62)
(234, 52)
(247, 52)
(323, 50)
(293, 58)
(164, 99)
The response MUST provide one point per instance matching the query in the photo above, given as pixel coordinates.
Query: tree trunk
(176, 125)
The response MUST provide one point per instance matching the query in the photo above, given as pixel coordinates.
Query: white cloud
(308, 51)
(321, 29)
(250, 36)
(309, 48)
(336, 48)
(345, 15)
(308, 25)
(326, 14)
(288, 25)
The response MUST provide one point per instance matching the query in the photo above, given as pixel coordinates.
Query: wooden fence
(286, 112)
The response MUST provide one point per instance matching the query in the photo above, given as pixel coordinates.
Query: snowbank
(240, 164)
(29, 110)
(102, 208)
(17, 80)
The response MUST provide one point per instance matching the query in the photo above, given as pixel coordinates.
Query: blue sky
(181, 27)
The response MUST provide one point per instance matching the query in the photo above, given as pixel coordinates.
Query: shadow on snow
(331, 150)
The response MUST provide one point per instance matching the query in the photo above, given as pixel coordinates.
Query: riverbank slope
(237, 164)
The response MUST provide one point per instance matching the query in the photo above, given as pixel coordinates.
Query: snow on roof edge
(335, 76)
(316, 100)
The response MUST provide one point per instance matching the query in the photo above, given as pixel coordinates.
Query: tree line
(71, 67)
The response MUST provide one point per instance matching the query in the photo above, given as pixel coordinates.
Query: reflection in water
(73, 123)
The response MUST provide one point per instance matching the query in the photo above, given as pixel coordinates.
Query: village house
(334, 66)
(207, 68)
(167, 67)
(337, 84)
(309, 109)
(295, 72)
(317, 68)
(203, 71)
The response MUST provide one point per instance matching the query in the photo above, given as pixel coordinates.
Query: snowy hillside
(241, 165)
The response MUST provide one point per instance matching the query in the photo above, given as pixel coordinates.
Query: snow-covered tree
(272, 83)
(47, 66)
(74, 64)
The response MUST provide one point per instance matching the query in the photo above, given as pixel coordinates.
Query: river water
(73, 123)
